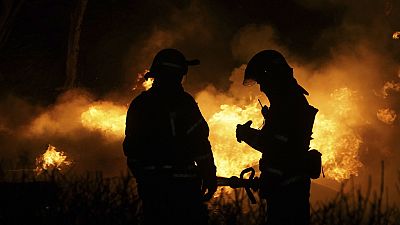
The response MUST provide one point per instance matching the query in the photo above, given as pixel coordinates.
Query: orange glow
(230, 156)
(387, 116)
(51, 160)
(105, 117)
(148, 83)
(390, 86)
(396, 35)
(337, 142)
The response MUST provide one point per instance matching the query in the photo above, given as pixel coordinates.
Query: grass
(94, 199)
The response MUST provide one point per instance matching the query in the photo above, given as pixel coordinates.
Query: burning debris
(333, 137)
(396, 35)
(339, 144)
(387, 115)
(51, 160)
(390, 86)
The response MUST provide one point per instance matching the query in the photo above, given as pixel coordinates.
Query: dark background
(115, 33)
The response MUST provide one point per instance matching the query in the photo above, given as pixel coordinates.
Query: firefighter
(283, 140)
(167, 147)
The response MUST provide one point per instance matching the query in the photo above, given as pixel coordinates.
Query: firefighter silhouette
(283, 140)
(167, 147)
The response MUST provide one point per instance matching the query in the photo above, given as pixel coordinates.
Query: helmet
(170, 60)
(269, 65)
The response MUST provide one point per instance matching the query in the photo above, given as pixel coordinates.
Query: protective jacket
(284, 139)
(284, 142)
(167, 136)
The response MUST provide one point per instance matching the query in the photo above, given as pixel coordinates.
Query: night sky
(116, 38)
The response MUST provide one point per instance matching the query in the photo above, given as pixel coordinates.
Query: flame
(51, 160)
(338, 143)
(148, 83)
(230, 156)
(387, 116)
(334, 137)
(396, 35)
(105, 117)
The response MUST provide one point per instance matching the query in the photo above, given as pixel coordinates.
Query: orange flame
(148, 83)
(230, 156)
(51, 160)
(387, 116)
(390, 86)
(396, 35)
(105, 117)
(333, 135)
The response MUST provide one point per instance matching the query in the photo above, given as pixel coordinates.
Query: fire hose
(252, 183)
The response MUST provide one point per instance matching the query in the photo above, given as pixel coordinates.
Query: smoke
(252, 38)
(90, 147)
(355, 87)
(351, 70)
(186, 28)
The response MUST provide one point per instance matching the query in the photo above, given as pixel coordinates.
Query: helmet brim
(152, 74)
(149, 74)
(249, 82)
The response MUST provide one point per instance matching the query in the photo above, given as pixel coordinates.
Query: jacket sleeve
(197, 137)
(134, 124)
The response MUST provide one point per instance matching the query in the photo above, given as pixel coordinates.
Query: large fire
(332, 135)
(335, 139)
(146, 83)
(51, 160)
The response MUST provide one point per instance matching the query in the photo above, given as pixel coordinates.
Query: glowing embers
(387, 116)
(105, 117)
(51, 160)
(396, 35)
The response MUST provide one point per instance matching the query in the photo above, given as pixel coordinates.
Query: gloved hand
(209, 188)
(242, 130)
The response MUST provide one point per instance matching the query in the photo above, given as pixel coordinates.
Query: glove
(209, 188)
(242, 131)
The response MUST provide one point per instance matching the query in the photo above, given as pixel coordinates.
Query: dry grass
(93, 199)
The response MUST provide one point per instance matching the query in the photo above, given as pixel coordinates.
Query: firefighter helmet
(170, 60)
(268, 65)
